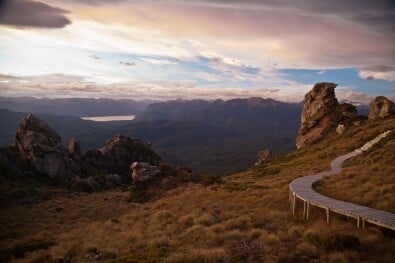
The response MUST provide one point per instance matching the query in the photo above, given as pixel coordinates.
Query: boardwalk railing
(301, 188)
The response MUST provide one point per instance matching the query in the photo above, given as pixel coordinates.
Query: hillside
(368, 179)
(217, 137)
(244, 217)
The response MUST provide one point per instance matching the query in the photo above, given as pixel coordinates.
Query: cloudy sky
(166, 49)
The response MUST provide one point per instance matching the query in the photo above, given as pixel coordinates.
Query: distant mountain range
(66, 126)
(210, 137)
(80, 107)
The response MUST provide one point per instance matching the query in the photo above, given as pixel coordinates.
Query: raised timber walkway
(301, 188)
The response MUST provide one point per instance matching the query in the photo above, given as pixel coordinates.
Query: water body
(110, 118)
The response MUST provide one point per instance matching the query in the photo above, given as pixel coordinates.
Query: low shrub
(20, 249)
(338, 242)
(147, 255)
(198, 256)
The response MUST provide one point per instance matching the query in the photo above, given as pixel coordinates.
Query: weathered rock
(74, 148)
(142, 172)
(340, 129)
(41, 145)
(381, 107)
(117, 155)
(322, 113)
(264, 157)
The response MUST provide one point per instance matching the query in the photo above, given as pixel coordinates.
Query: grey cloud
(379, 68)
(95, 57)
(370, 78)
(375, 14)
(26, 13)
(91, 2)
(309, 6)
(126, 63)
(75, 86)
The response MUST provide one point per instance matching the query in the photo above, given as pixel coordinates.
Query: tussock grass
(240, 218)
(368, 179)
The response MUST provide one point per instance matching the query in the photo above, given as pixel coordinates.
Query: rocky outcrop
(264, 157)
(41, 145)
(38, 151)
(116, 156)
(142, 172)
(381, 107)
(322, 113)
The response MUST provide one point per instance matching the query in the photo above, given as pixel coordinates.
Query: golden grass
(368, 179)
(245, 218)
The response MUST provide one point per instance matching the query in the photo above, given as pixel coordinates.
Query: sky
(188, 49)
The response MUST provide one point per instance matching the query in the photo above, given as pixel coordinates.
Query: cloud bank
(26, 13)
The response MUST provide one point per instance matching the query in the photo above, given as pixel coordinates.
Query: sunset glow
(196, 49)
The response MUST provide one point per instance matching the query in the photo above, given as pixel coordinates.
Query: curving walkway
(301, 188)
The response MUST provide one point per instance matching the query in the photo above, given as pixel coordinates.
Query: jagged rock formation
(322, 113)
(381, 107)
(142, 172)
(264, 157)
(117, 154)
(38, 151)
(41, 145)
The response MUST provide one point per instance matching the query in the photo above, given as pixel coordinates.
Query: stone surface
(116, 156)
(142, 172)
(381, 107)
(86, 185)
(264, 157)
(41, 145)
(74, 148)
(322, 113)
(340, 129)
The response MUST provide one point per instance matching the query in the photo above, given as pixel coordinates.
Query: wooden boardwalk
(301, 188)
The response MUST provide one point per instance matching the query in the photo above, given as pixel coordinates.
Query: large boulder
(381, 107)
(41, 145)
(142, 172)
(322, 113)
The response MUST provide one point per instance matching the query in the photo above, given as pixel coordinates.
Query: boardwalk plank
(302, 187)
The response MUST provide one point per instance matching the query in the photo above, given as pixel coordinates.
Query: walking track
(301, 188)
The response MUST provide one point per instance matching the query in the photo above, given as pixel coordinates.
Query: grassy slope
(368, 179)
(244, 219)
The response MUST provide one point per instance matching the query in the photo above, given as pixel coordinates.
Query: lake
(110, 118)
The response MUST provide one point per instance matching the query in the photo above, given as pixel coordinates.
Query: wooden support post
(363, 222)
(358, 221)
(294, 204)
(327, 215)
(304, 209)
(308, 210)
